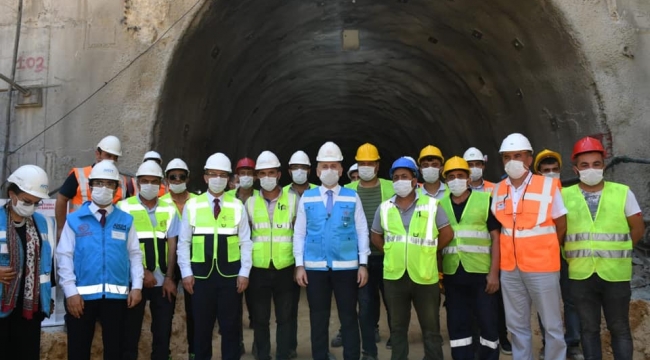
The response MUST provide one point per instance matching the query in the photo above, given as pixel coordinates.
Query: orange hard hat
(587, 144)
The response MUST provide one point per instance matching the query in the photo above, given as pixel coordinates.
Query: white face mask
(23, 210)
(515, 169)
(457, 186)
(402, 187)
(366, 173)
(217, 184)
(102, 196)
(430, 174)
(475, 173)
(591, 177)
(178, 188)
(299, 176)
(552, 174)
(149, 191)
(246, 182)
(329, 177)
(268, 183)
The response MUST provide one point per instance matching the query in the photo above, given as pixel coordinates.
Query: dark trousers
(112, 316)
(590, 296)
(189, 321)
(293, 321)
(21, 338)
(503, 329)
(162, 311)
(426, 300)
(466, 300)
(266, 285)
(319, 294)
(216, 299)
(370, 302)
(571, 317)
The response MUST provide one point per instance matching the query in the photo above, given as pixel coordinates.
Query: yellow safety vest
(387, 190)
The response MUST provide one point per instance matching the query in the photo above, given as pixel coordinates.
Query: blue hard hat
(405, 162)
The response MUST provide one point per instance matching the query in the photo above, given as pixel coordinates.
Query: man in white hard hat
(330, 246)
(76, 191)
(97, 256)
(214, 255)
(476, 161)
(353, 172)
(533, 219)
(272, 213)
(152, 155)
(132, 186)
(157, 225)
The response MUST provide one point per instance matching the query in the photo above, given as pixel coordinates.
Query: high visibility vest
(488, 186)
(272, 240)
(414, 252)
(167, 198)
(215, 243)
(153, 240)
(471, 244)
(387, 190)
(134, 184)
(603, 245)
(288, 187)
(528, 238)
(83, 189)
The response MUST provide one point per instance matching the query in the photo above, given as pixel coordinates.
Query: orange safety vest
(134, 183)
(528, 237)
(83, 189)
(488, 186)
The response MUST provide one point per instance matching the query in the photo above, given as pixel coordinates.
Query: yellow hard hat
(545, 154)
(455, 163)
(430, 150)
(367, 152)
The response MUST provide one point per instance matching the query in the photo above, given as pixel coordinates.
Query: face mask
(457, 186)
(553, 175)
(329, 177)
(217, 184)
(591, 177)
(246, 182)
(102, 195)
(149, 191)
(515, 169)
(475, 173)
(431, 174)
(178, 188)
(366, 173)
(402, 187)
(299, 176)
(23, 210)
(268, 183)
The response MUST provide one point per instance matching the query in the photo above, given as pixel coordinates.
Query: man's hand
(75, 305)
(362, 276)
(188, 284)
(492, 283)
(149, 280)
(301, 276)
(6, 275)
(169, 288)
(242, 284)
(135, 296)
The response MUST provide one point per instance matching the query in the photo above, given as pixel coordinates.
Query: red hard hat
(587, 144)
(245, 163)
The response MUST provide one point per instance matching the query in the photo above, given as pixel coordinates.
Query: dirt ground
(54, 345)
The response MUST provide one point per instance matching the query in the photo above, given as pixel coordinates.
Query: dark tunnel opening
(287, 75)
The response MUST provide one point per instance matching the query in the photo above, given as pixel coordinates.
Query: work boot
(506, 347)
(337, 341)
(541, 353)
(377, 337)
(574, 353)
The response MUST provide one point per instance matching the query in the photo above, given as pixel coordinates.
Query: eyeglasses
(181, 177)
(104, 183)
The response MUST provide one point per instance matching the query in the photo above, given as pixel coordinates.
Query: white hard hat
(177, 164)
(515, 142)
(352, 169)
(218, 161)
(152, 155)
(299, 158)
(473, 154)
(150, 168)
(111, 145)
(104, 169)
(32, 180)
(267, 160)
(329, 152)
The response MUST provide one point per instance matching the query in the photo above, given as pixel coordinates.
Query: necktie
(330, 201)
(103, 218)
(217, 208)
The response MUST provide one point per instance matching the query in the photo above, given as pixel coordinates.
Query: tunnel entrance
(285, 75)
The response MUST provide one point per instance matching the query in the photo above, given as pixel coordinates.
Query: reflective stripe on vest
(528, 237)
(106, 288)
(272, 242)
(471, 243)
(604, 245)
(414, 252)
(83, 188)
(387, 190)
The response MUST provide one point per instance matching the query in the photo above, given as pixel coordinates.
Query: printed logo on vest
(84, 230)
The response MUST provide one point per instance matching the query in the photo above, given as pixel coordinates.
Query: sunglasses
(181, 177)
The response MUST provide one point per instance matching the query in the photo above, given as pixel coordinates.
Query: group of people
(493, 248)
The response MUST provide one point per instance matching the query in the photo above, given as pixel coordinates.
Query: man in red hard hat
(604, 222)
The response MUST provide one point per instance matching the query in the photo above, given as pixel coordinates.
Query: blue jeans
(370, 303)
(592, 294)
(571, 317)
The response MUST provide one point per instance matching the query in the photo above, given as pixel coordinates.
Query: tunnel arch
(249, 76)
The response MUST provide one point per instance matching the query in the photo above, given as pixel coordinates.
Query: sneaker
(293, 354)
(377, 337)
(575, 353)
(337, 341)
(541, 353)
(506, 347)
(389, 345)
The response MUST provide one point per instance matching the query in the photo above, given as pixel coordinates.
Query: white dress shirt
(300, 228)
(65, 255)
(185, 241)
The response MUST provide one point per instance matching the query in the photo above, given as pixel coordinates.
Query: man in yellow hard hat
(431, 161)
(548, 163)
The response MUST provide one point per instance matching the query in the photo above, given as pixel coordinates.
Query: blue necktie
(330, 201)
